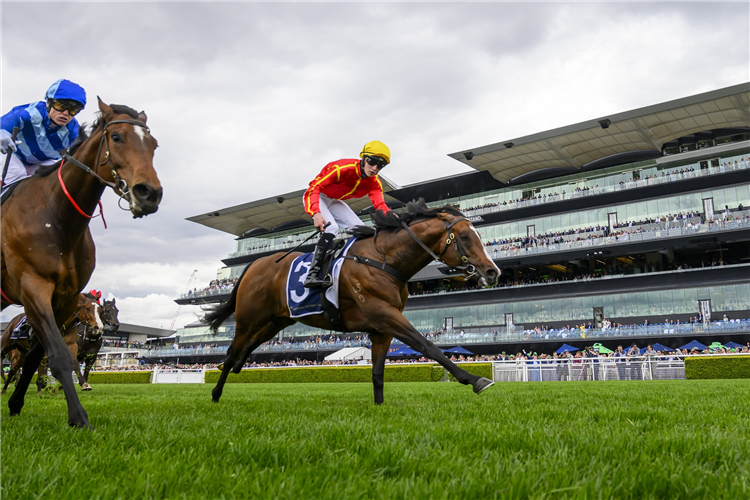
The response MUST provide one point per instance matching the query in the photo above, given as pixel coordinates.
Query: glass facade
(635, 211)
(620, 306)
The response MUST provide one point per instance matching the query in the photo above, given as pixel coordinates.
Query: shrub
(398, 373)
(712, 367)
(120, 378)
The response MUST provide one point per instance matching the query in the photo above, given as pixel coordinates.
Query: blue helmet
(65, 89)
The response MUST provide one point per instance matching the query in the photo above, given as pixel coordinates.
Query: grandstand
(629, 227)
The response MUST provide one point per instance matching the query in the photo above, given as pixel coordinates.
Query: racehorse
(89, 342)
(372, 288)
(86, 317)
(48, 253)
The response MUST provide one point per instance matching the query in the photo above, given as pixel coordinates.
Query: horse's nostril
(145, 193)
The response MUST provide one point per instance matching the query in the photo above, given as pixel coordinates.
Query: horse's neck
(407, 255)
(84, 188)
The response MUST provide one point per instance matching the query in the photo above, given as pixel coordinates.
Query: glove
(6, 142)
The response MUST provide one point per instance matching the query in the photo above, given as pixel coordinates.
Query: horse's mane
(392, 221)
(83, 134)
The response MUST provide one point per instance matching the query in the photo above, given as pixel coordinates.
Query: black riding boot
(313, 279)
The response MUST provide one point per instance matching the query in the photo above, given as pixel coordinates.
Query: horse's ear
(104, 108)
(113, 300)
(142, 116)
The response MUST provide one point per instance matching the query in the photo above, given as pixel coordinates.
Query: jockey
(97, 295)
(341, 180)
(45, 127)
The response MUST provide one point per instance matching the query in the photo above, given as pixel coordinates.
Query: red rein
(65, 190)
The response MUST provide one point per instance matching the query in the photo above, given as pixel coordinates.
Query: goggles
(62, 105)
(376, 161)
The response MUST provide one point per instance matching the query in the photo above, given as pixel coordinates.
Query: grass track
(659, 439)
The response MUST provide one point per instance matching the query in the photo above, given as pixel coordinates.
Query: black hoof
(482, 384)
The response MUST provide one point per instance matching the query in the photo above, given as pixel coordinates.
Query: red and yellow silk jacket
(342, 180)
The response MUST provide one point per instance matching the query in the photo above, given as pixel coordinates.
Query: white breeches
(339, 214)
(17, 170)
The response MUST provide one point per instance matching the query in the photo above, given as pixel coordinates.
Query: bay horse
(372, 289)
(86, 317)
(48, 254)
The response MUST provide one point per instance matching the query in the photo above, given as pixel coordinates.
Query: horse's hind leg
(30, 364)
(245, 341)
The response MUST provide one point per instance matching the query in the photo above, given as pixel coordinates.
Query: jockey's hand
(319, 222)
(6, 141)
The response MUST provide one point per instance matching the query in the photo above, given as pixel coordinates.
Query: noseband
(120, 183)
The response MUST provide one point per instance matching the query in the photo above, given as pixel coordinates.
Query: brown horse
(48, 253)
(372, 288)
(87, 317)
(88, 342)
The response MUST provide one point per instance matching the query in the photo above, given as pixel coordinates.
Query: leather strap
(379, 265)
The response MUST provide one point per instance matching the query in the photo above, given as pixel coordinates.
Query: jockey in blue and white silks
(45, 127)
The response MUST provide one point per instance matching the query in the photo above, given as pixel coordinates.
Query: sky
(251, 100)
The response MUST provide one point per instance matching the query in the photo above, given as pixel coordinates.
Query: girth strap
(379, 265)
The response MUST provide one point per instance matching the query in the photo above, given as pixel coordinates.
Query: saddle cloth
(8, 189)
(22, 330)
(304, 301)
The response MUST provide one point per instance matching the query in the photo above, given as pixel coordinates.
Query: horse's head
(88, 313)
(127, 148)
(463, 248)
(108, 315)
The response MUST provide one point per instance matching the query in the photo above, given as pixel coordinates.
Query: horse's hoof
(84, 424)
(482, 384)
(86, 387)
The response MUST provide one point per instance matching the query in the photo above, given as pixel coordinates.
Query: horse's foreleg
(89, 360)
(379, 352)
(30, 364)
(393, 322)
(42, 319)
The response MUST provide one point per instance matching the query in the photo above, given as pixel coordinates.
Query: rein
(451, 239)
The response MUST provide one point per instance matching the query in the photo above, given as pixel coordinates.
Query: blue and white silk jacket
(40, 139)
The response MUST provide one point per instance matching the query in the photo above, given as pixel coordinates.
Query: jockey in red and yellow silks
(342, 180)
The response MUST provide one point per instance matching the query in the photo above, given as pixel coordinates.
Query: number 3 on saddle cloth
(304, 301)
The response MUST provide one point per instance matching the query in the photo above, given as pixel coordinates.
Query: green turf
(656, 439)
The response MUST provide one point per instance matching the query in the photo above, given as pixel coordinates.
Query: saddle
(8, 189)
(22, 330)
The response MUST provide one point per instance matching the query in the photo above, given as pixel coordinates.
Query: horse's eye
(116, 137)
(464, 237)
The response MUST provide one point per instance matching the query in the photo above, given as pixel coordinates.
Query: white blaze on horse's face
(140, 133)
(485, 250)
(97, 313)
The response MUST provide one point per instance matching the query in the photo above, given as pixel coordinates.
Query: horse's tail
(217, 315)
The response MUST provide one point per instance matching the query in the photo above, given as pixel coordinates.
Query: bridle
(469, 269)
(76, 316)
(120, 184)
(87, 325)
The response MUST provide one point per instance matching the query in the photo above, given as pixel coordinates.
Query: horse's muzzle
(144, 199)
(489, 277)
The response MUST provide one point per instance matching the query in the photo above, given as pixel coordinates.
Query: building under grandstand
(633, 227)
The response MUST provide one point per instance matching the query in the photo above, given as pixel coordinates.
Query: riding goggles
(376, 161)
(61, 105)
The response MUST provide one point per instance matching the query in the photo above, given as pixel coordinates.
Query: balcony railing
(596, 191)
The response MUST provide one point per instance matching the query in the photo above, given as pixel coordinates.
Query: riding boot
(313, 279)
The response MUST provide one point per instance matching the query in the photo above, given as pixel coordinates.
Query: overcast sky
(250, 100)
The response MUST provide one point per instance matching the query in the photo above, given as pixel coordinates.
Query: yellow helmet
(376, 148)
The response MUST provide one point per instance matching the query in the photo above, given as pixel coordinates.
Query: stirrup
(313, 281)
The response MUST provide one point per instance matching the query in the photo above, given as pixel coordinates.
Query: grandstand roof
(643, 129)
(269, 213)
